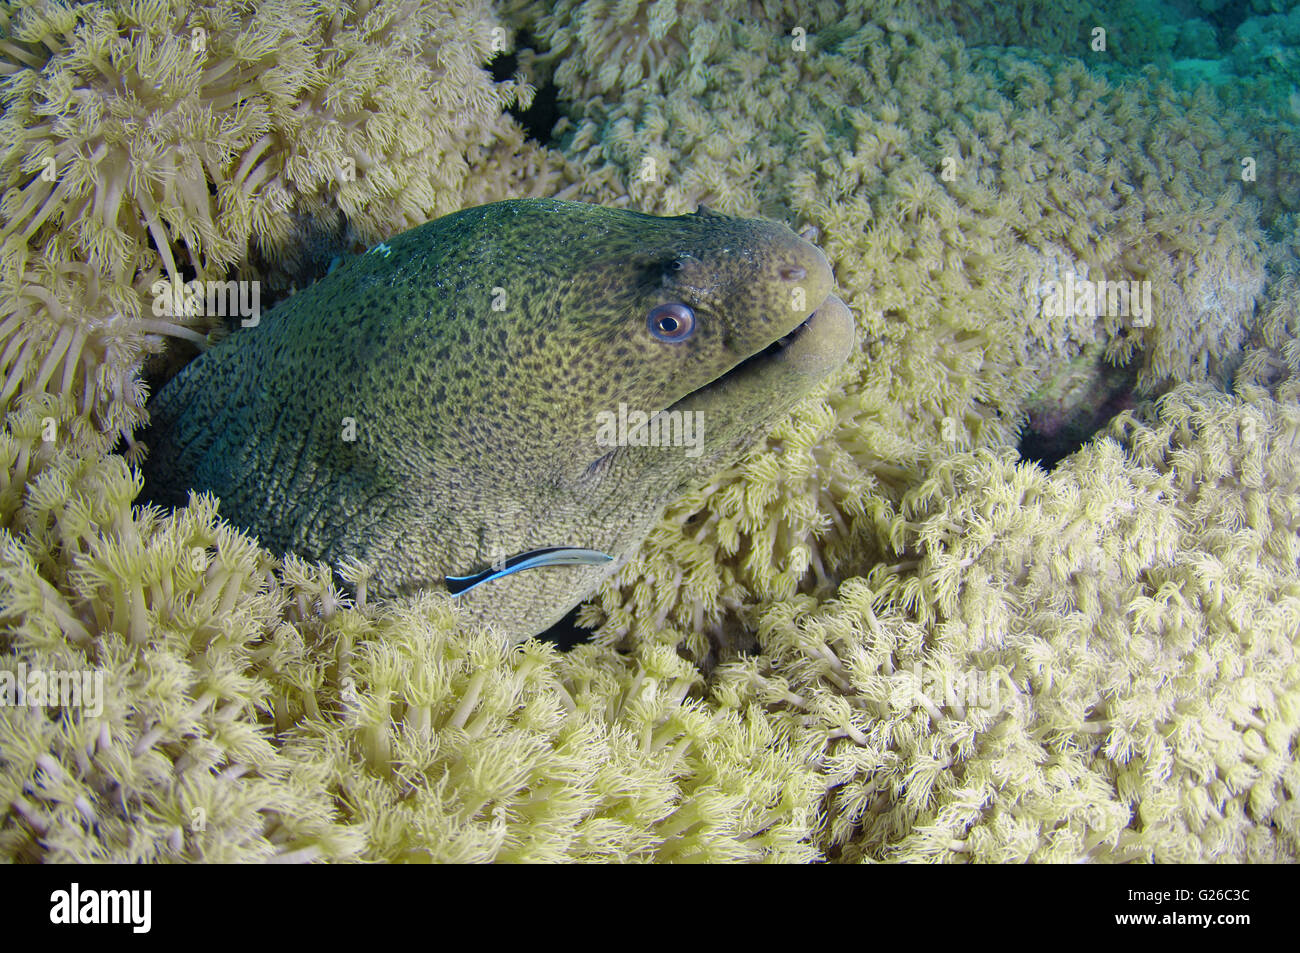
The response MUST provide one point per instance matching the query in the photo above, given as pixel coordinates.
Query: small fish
(533, 559)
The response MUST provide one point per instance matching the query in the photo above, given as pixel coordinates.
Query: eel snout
(822, 342)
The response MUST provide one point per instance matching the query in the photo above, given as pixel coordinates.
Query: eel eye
(673, 323)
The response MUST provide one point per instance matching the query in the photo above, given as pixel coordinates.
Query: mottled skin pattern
(475, 425)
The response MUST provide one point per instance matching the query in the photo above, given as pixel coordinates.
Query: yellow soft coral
(248, 711)
(174, 140)
(1097, 663)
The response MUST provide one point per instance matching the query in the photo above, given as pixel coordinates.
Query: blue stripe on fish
(533, 559)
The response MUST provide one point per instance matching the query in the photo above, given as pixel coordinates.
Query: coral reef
(1098, 663)
(881, 636)
(251, 712)
(168, 140)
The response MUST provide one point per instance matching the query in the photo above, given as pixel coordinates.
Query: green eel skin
(432, 406)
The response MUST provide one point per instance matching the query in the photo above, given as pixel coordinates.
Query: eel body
(500, 382)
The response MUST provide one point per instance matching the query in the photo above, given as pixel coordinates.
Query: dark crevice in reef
(566, 633)
(1226, 19)
(1057, 429)
(539, 118)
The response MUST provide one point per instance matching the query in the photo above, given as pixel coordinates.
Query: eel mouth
(795, 361)
(784, 340)
(812, 348)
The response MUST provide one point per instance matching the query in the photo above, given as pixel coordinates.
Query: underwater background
(1021, 582)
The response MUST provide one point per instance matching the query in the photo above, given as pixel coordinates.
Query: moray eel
(441, 407)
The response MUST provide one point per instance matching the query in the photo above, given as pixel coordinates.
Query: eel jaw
(822, 342)
(813, 348)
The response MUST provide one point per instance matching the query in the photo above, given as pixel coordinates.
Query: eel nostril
(794, 273)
